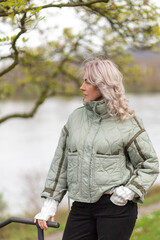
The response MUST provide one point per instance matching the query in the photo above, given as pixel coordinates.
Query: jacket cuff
(139, 196)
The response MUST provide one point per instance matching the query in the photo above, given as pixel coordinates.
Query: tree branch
(103, 13)
(44, 94)
(6, 57)
(32, 112)
(61, 5)
(79, 4)
(13, 46)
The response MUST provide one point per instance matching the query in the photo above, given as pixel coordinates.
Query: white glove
(48, 210)
(121, 195)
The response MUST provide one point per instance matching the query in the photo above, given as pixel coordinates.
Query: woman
(104, 159)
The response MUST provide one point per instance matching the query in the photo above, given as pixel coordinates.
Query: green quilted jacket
(96, 153)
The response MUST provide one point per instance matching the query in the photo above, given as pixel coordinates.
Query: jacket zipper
(91, 162)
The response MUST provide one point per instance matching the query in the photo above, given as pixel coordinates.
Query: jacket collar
(97, 107)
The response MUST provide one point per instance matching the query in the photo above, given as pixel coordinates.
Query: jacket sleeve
(144, 160)
(56, 182)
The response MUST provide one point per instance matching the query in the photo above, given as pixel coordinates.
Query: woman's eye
(87, 82)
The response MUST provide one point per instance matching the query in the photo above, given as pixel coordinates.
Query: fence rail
(30, 222)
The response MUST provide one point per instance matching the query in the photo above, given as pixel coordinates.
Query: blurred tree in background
(3, 205)
(109, 28)
(33, 190)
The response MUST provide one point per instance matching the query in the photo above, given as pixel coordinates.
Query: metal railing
(30, 222)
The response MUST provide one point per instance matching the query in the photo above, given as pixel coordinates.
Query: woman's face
(91, 93)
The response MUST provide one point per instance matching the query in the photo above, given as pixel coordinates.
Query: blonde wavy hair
(104, 74)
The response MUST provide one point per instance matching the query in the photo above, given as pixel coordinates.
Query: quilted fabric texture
(97, 153)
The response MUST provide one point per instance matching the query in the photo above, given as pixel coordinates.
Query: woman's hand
(121, 195)
(48, 211)
(43, 223)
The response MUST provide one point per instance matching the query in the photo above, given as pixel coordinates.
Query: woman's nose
(82, 87)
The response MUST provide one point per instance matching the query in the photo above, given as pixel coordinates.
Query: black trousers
(102, 220)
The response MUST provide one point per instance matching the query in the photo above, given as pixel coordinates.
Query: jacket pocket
(107, 169)
(72, 167)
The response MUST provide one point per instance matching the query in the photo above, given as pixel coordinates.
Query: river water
(27, 146)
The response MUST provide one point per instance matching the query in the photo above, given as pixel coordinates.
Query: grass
(147, 228)
(153, 196)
